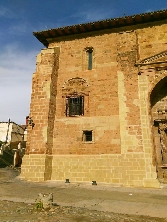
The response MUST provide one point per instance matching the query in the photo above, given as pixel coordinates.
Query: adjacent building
(11, 132)
(12, 143)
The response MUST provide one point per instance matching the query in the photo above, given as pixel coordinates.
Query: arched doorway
(158, 100)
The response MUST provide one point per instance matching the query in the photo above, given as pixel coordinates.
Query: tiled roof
(42, 36)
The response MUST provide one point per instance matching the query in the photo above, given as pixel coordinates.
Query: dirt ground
(77, 202)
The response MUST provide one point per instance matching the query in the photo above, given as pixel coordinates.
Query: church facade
(99, 103)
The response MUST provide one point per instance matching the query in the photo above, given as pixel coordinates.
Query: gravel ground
(13, 209)
(13, 212)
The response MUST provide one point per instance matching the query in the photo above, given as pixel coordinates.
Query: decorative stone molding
(155, 57)
(157, 78)
(152, 59)
(162, 111)
(75, 85)
(149, 71)
(163, 136)
(89, 49)
(162, 127)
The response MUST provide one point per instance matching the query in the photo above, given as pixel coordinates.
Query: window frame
(90, 60)
(74, 105)
(89, 52)
(86, 136)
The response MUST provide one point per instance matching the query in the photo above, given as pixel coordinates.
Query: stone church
(98, 107)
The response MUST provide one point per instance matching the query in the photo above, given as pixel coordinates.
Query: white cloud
(16, 68)
(89, 15)
(19, 29)
(84, 16)
(6, 13)
(148, 10)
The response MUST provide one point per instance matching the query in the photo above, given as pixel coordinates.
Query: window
(87, 136)
(90, 59)
(75, 106)
(89, 52)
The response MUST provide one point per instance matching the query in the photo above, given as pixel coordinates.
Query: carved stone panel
(76, 85)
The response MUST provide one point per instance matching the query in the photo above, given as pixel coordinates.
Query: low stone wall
(33, 167)
(123, 169)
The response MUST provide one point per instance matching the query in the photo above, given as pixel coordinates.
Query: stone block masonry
(97, 123)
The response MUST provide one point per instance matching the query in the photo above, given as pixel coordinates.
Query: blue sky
(18, 47)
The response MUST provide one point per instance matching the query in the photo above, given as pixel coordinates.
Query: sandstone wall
(117, 109)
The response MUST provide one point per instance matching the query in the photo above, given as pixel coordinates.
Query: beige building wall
(117, 108)
(17, 133)
(11, 131)
(4, 130)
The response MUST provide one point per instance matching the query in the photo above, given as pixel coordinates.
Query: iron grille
(75, 106)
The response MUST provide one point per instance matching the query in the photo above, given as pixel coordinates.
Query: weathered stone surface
(46, 200)
(121, 103)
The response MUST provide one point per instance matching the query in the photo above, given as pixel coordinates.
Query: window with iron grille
(87, 135)
(75, 106)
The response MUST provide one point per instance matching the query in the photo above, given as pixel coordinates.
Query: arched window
(75, 91)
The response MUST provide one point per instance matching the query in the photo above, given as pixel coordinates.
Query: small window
(90, 58)
(75, 106)
(87, 136)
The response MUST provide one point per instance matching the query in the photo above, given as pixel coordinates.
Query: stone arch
(75, 85)
(158, 95)
(156, 81)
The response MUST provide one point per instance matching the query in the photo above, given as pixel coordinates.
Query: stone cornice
(153, 59)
